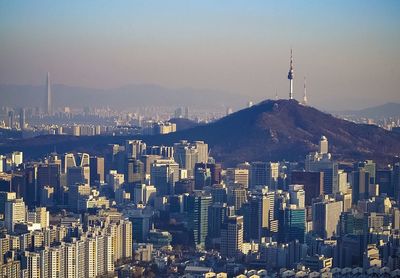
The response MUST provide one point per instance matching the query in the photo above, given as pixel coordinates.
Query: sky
(348, 50)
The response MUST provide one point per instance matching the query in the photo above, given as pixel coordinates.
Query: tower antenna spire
(291, 75)
(305, 101)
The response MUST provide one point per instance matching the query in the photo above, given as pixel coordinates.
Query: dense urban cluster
(31, 122)
(173, 211)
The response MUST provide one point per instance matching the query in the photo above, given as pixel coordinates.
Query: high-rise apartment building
(15, 212)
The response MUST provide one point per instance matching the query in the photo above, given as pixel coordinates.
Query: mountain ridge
(389, 109)
(272, 130)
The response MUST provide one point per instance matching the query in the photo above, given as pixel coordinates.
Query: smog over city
(199, 138)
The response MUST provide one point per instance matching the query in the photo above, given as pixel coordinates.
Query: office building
(186, 155)
(141, 219)
(297, 195)
(326, 216)
(134, 149)
(313, 184)
(164, 175)
(258, 174)
(135, 173)
(97, 170)
(144, 194)
(237, 196)
(4, 198)
(294, 224)
(237, 176)
(322, 162)
(217, 213)
(202, 151)
(232, 237)
(115, 180)
(196, 206)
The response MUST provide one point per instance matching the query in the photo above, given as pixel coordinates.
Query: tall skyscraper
(291, 75)
(202, 149)
(164, 174)
(237, 176)
(14, 212)
(363, 177)
(49, 99)
(322, 161)
(232, 236)
(197, 206)
(135, 172)
(258, 213)
(135, 148)
(69, 161)
(272, 175)
(48, 175)
(258, 174)
(294, 224)
(216, 217)
(326, 216)
(22, 119)
(313, 184)
(10, 119)
(97, 169)
(141, 224)
(5, 197)
(186, 155)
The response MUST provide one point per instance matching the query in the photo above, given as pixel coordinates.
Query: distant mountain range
(390, 109)
(121, 98)
(271, 130)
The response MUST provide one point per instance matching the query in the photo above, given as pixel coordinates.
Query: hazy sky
(349, 50)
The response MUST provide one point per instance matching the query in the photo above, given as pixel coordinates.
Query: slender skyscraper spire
(305, 92)
(290, 75)
(49, 106)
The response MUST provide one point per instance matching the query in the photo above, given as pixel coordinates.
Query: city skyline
(241, 49)
(188, 139)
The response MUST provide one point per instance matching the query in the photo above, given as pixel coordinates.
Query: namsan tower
(291, 75)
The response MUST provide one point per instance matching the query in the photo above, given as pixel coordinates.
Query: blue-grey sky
(349, 50)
